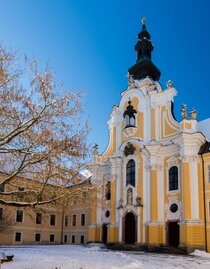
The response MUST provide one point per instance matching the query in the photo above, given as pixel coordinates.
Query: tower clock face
(174, 208)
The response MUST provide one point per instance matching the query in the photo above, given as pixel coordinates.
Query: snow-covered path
(78, 257)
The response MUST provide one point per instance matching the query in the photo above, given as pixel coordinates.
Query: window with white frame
(129, 116)
(37, 237)
(66, 220)
(19, 216)
(173, 178)
(108, 190)
(38, 218)
(18, 237)
(52, 220)
(130, 173)
(52, 238)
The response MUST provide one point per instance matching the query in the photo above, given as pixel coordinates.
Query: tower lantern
(144, 66)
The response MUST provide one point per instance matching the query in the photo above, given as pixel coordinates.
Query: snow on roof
(204, 127)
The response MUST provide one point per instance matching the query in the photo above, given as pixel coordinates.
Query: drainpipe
(204, 205)
(62, 222)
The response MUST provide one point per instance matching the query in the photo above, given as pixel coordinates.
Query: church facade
(154, 176)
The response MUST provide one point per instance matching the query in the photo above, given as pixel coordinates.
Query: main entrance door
(130, 228)
(173, 234)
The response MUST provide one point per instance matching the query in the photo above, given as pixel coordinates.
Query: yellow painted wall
(155, 235)
(112, 234)
(140, 121)
(168, 130)
(192, 236)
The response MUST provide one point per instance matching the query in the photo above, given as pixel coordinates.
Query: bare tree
(42, 136)
(6, 221)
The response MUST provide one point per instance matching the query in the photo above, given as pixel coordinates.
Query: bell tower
(144, 66)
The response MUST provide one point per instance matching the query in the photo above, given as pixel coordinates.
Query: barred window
(130, 173)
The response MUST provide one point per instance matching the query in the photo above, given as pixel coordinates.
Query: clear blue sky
(90, 45)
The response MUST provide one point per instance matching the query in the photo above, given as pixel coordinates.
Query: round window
(174, 208)
(107, 214)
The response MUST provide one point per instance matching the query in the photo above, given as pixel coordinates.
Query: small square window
(82, 219)
(74, 220)
(82, 239)
(17, 237)
(73, 239)
(37, 237)
(19, 216)
(21, 189)
(52, 220)
(52, 238)
(38, 218)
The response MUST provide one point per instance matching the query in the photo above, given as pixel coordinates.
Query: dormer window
(129, 116)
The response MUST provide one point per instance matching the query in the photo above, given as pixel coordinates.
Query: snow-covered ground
(79, 257)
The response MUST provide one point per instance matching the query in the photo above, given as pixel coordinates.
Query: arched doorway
(130, 228)
(173, 233)
(104, 233)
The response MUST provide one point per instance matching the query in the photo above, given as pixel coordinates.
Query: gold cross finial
(143, 20)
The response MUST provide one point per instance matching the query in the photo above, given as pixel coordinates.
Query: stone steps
(147, 248)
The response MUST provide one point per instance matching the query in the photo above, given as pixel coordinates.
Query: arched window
(130, 173)
(129, 115)
(108, 190)
(173, 178)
